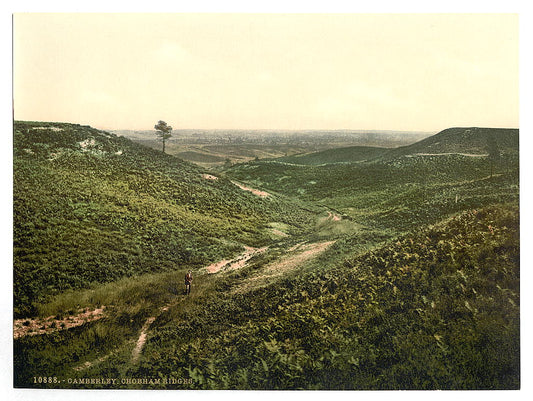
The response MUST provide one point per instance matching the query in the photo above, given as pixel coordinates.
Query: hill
(392, 273)
(473, 141)
(469, 142)
(349, 154)
(404, 187)
(91, 207)
(436, 309)
(199, 157)
(213, 148)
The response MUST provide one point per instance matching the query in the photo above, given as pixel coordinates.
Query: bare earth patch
(299, 254)
(142, 339)
(237, 262)
(448, 154)
(334, 217)
(261, 194)
(278, 232)
(32, 327)
(87, 365)
(56, 129)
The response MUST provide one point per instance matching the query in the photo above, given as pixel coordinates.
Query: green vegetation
(418, 288)
(438, 310)
(198, 157)
(90, 207)
(473, 140)
(435, 310)
(397, 195)
(340, 155)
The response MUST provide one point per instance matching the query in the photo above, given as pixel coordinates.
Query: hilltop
(349, 154)
(402, 188)
(464, 141)
(469, 142)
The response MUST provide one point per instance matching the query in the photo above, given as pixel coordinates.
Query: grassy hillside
(392, 273)
(472, 140)
(438, 309)
(398, 195)
(90, 207)
(340, 155)
(405, 187)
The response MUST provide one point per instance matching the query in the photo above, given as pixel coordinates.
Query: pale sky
(420, 72)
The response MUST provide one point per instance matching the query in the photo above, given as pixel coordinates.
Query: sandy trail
(333, 216)
(449, 154)
(87, 365)
(209, 177)
(261, 194)
(224, 265)
(38, 326)
(237, 262)
(301, 253)
(139, 344)
(298, 255)
(144, 333)
(142, 339)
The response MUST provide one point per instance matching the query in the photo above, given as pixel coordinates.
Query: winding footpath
(295, 257)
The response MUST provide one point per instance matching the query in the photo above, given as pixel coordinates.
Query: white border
(273, 6)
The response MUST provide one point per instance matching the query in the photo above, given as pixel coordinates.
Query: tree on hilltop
(163, 132)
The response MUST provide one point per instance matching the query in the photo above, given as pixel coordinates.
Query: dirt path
(237, 262)
(209, 177)
(449, 153)
(261, 194)
(223, 265)
(144, 333)
(32, 327)
(142, 340)
(139, 344)
(298, 255)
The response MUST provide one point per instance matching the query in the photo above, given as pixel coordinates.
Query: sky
(413, 72)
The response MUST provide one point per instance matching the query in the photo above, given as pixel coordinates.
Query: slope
(90, 207)
(466, 141)
(339, 155)
(437, 309)
(385, 303)
(405, 187)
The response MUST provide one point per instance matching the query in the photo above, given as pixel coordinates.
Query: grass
(100, 208)
(429, 310)
(420, 289)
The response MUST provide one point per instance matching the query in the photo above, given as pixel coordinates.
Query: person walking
(188, 281)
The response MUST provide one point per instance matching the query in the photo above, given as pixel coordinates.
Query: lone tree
(163, 131)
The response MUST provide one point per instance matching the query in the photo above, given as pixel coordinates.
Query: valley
(218, 148)
(328, 261)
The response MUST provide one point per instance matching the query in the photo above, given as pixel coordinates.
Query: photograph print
(266, 201)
